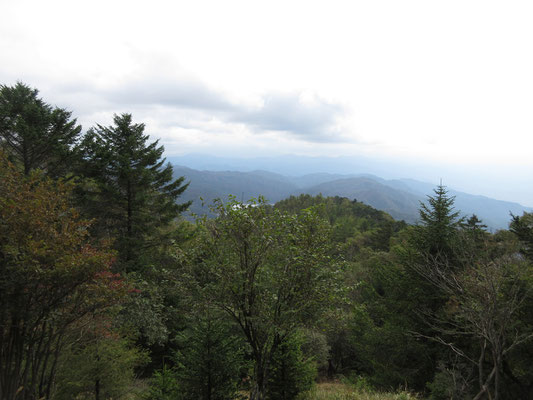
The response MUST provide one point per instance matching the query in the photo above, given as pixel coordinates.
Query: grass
(341, 391)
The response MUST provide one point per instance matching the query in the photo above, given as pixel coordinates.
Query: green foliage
(103, 368)
(341, 391)
(453, 383)
(315, 347)
(436, 234)
(210, 363)
(442, 306)
(164, 385)
(35, 134)
(131, 192)
(270, 271)
(522, 227)
(290, 372)
(51, 277)
(354, 225)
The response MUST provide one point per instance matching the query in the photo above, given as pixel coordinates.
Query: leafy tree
(35, 134)
(133, 194)
(51, 277)
(487, 302)
(270, 271)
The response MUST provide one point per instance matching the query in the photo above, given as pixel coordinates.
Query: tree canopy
(33, 133)
(132, 194)
(51, 277)
(270, 271)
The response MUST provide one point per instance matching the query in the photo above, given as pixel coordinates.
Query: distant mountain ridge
(398, 197)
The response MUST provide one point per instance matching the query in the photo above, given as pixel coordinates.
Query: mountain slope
(398, 203)
(399, 197)
(209, 185)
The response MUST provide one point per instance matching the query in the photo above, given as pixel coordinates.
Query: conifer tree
(211, 359)
(35, 134)
(439, 225)
(522, 227)
(132, 193)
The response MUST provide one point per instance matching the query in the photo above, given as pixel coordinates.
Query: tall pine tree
(439, 224)
(35, 134)
(131, 193)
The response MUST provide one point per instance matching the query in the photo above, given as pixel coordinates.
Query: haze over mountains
(212, 177)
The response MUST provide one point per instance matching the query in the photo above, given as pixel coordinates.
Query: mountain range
(399, 197)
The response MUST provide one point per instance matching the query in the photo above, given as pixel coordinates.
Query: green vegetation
(106, 292)
(341, 391)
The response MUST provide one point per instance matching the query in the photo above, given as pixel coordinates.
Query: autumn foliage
(51, 276)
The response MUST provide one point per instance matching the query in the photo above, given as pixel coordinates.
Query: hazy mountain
(501, 183)
(205, 186)
(398, 197)
(288, 165)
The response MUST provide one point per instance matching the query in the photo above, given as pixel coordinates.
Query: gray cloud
(187, 94)
(287, 113)
(188, 103)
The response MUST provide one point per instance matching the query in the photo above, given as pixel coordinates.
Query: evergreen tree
(132, 192)
(522, 227)
(411, 298)
(474, 235)
(211, 359)
(291, 373)
(35, 134)
(439, 223)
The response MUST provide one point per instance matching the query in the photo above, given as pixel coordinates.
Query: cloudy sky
(446, 86)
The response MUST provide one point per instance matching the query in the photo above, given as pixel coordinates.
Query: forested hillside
(108, 292)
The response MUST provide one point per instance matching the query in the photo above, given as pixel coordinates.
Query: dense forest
(106, 292)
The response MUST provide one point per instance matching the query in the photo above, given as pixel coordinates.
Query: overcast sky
(445, 85)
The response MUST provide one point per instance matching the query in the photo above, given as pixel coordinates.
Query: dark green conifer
(211, 360)
(437, 230)
(132, 193)
(35, 134)
(291, 373)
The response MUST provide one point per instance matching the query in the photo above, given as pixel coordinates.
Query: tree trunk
(260, 381)
(97, 389)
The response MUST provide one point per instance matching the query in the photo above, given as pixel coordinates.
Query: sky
(446, 87)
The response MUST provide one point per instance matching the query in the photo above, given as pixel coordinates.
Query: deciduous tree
(269, 271)
(51, 276)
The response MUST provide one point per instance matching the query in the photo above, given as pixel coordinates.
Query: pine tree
(431, 252)
(211, 359)
(291, 373)
(35, 134)
(439, 224)
(132, 193)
